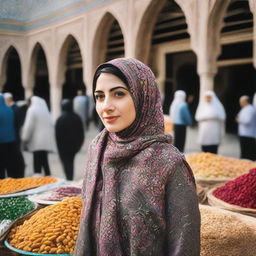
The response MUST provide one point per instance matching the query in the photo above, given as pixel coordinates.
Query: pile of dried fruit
(14, 207)
(240, 191)
(53, 229)
(224, 234)
(12, 185)
(208, 165)
(61, 193)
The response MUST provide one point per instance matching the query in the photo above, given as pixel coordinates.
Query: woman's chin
(113, 129)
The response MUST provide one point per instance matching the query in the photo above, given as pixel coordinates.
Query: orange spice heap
(11, 185)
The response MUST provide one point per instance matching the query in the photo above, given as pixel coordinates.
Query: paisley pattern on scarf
(139, 194)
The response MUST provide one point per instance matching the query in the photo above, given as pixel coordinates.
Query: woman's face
(114, 103)
(208, 98)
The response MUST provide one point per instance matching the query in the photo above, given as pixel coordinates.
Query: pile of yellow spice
(208, 165)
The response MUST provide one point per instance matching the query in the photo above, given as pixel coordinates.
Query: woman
(139, 192)
(69, 134)
(211, 118)
(181, 117)
(38, 134)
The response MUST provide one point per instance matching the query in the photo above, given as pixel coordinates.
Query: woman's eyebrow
(98, 91)
(112, 89)
(118, 87)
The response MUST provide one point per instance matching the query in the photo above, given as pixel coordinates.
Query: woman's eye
(99, 97)
(119, 94)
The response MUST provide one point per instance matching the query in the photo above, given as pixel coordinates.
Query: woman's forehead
(107, 81)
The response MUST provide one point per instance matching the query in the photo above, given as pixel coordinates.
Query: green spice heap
(14, 207)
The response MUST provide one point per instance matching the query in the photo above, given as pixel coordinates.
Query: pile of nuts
(208, 165)
(11, 185)
(53, 229)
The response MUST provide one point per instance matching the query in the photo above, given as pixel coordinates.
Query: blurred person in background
(181, 118)
(254, 100)
(11, 160)
(38, 134)
(81, 105)
(211, 117)
(9, 102)
(246, 120)
(19, 110)
(69, 135)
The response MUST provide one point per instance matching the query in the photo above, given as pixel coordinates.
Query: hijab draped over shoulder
(126, 178)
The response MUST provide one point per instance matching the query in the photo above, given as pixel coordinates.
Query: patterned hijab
(146, 97)
(109, 151)
(148, 126)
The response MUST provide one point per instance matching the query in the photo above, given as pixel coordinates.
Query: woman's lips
(110, 119)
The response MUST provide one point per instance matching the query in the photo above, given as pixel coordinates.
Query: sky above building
(25, 15)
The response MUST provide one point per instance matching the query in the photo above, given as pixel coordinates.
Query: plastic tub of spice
(238, 195)
(51, 230)
(30, 253)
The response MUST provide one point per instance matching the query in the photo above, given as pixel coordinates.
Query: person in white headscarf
(181, 117)
(38, 134)
(211, 117)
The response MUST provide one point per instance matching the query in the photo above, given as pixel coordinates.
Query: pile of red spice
(240, 191)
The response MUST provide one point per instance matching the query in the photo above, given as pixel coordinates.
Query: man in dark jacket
(69, 136)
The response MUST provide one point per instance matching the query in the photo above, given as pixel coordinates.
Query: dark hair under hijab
(110, 69)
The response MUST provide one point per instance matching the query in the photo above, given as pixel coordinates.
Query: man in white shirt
(247, 128)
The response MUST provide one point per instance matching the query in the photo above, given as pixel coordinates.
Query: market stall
(43, 219)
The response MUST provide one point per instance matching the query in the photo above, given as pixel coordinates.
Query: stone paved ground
(229, 147)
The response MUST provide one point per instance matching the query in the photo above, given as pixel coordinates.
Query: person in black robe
(69, 137)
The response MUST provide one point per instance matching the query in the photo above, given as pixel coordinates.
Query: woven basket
(201, 194)
(214, 201)
(208, 183)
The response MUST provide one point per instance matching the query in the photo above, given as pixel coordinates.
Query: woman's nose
(108, 105)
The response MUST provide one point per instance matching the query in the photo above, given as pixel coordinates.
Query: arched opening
(74, 69)
(181, 75)
(170, 25)
(115, 42)
(236, 75)
(144, 35)
(13, 82)
(109, 41)
(179, 70)
(41, 86)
